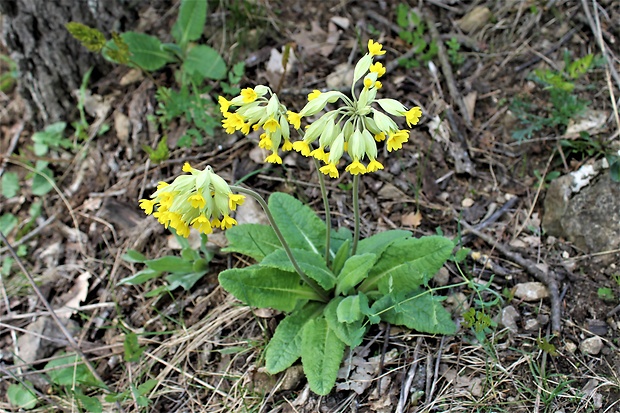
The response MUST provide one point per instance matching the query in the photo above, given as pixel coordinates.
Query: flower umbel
(201, 200)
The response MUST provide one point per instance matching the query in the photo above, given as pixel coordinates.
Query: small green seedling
(412, 30)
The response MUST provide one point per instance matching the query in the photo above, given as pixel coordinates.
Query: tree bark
(50, 61)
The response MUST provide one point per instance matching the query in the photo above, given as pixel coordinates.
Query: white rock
(509, 318)
(531, 291)
(592, 345)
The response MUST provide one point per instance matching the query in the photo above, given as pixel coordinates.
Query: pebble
(570, 347)
(509, 318)
(598, 327)
(442, 278)
(530, 291)
(592, 345)
(531, 324)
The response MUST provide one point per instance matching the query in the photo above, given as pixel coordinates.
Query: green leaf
(352, 334)
(7, 223)
(134, 256)
(285, 345)
(354, 271)
(185, 280)
(312, 264)
(21, 396)
(191, 21)
(580, 66)
(407, 264)
(132, 348)
(160, 153)
(300, 226)
(91, 404)
(254, 240)
(381, 241)
(146, 51)
(147, 386)
(42, 181)
(343, 254)
(51, 136)
(352, 308)
(69, 370)
(205, 61)
(614, 170)
(421, 311)
(170, 264)
(140, 277)
(266, 287)
(10, 184)
(321, 355)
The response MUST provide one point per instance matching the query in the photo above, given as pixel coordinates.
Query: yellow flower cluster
(254, 110)
(354, 128)
(201, 200)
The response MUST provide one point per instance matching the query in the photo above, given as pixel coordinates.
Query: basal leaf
(284, 348)
(352, 308)
(185, 280)
(69, 370)
(421, 311)
(339, 237)
(351, 334)
(146, 51)
(354, 271)
(191, 21)
(343, 254)
(301, 227)
(321, 355)
(170, 264)
(407, 264)
(266, 287)
(253, 240)
(380, 241)
(140, 277)
(310, 263)
(134, 256)
(205, 61)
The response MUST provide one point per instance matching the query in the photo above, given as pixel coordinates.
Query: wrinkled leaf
(381, 241)
(284, 348)
(300, 226)
(266, 287)
(146, 51)
(253, 240)
(352, 308)
(191, 21)
(422, 312)
(205, 61)
(312, 264)
(355, 270)
(321, 355)
(351, 334)
(343, 254)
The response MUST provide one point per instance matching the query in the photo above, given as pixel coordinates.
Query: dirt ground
(461, 165)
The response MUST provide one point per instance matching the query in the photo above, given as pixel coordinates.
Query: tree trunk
(50, 61)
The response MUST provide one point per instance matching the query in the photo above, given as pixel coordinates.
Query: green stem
(356, 213)
(328, 219)
(317, 288)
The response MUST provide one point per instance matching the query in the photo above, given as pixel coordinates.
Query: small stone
(592, 345)
(467, 202)
(475, 19)
(530, 291)
(543, 319)
(531, 325)
(442, 278)
(570, 347)
(509, 318)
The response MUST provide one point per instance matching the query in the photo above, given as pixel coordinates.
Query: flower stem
(328, 219)
(313, 284)
(356, 213)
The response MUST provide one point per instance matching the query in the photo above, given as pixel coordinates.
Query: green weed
(412, 30)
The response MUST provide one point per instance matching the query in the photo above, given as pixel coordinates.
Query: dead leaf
(467, 202)
(275, 68)
(341, 76)
(72, 298)
(413, 219)
(591, 121)
(316, 40)
(470, 103)
(122, 125)
(475, 19)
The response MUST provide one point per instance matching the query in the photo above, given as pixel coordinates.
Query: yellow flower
(234, 200)
(197, 201)
(331, 170)
(319, 153)
(265, 141)
(314, 94)
(377, 68)
(249, 95)
(373, 166)
(356, 167)
(302, 147)
(202, 224)
(380, 137)
(186, 167)
(271, 125)
(368, 83)
(147, 205)
(287, 145)
(374, 48)
(413, 116)
(227, 222)
(378, 85)
(224, 104)
(166, 199)
(395, 140)
(274, 158)
(162, 184)
(294, 119)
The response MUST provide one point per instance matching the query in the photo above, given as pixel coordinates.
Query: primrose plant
(331, 285)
